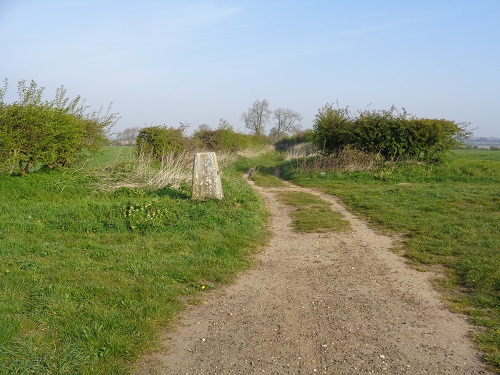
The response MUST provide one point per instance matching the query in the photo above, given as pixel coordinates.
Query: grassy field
(90, 276)
(449, 215)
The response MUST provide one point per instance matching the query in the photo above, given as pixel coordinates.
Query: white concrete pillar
(206, 177)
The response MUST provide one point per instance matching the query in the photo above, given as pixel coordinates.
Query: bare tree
(224, 125)
(127, 136)
(257, 116)
(287, 121)
(204, 127)
(273, 135)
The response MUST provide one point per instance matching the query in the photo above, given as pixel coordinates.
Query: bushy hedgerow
(217, 140)
(157, 141)
(251, 141)
(47, 133)
(288, 141)
(389, 133)
(228, 140)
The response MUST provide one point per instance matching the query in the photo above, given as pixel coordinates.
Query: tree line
(286, 120)
(158, 141)
(62, 131)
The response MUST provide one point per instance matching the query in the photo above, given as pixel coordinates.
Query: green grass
(313, 215)
(89, 278)
(110, 154)
(263, 179)
(263, 168)
(449, 214)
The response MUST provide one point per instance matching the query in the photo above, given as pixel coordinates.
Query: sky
(196, 62)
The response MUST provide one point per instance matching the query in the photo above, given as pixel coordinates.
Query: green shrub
(158, 141)
(389, 133)
(228, 140)
(289, 141)
(332, 128)
(47, 133)
(217, 140)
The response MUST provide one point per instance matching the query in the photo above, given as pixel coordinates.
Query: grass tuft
(313, 215)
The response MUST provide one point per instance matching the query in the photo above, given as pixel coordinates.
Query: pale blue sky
(166, 62)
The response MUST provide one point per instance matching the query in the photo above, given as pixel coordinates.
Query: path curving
(320, 304)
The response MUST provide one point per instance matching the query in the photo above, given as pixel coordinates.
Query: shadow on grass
(173, 193)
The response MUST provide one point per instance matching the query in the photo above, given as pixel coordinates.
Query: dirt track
(320, 304)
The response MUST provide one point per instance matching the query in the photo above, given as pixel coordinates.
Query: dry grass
(172, 170)
(301, 150)
(348, 159)
(253, 152)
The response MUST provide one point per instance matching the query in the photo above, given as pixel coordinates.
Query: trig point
(206, 177)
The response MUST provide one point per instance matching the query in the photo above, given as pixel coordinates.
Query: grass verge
(90, 277)
(450, 215)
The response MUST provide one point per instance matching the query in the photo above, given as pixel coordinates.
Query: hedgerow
(157, 141)
(289, 141)
(392, 134)
(48, 133)
(228, 140)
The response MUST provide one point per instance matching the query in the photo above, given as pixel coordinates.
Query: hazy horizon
(199, 61)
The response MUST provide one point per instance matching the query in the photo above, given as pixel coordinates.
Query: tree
(287, 121)
(127, 136)
(273, 135)
(224, 125)
(204, 127)
(257, 116)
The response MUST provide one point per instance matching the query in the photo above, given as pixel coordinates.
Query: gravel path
(320, 304)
